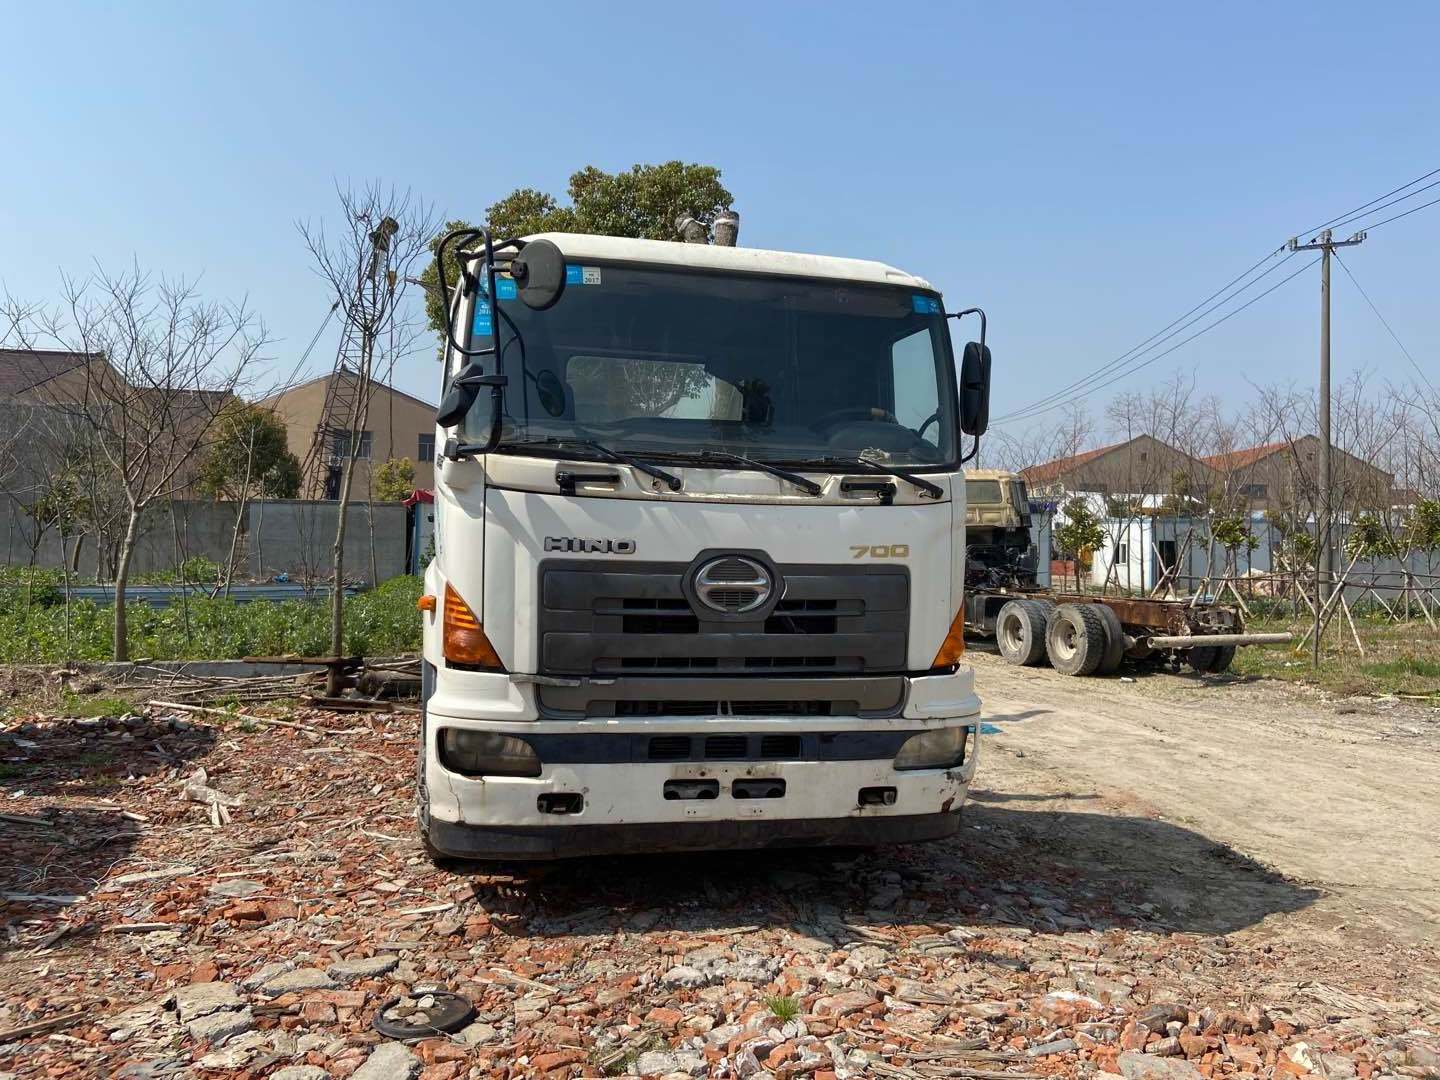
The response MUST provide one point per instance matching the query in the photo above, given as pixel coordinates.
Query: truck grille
(725, 747)
(603, 618)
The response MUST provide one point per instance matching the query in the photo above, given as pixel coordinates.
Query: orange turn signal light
(425, 603)
(464, 638)
(953, 647)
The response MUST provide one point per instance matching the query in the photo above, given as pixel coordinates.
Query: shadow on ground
(1043, 870)
(58, 832)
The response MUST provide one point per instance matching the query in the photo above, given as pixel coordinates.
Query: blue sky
(1084, 172)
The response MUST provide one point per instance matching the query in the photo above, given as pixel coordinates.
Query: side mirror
(464, 390)
(539, 273)
(975, 389)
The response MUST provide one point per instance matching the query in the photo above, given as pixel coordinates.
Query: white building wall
(1126, 558)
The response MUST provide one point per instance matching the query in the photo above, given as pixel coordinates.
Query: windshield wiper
(934, 491)
(670, 480)
(806, 485)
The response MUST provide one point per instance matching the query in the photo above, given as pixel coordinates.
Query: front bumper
(625, 806)
(535, 842)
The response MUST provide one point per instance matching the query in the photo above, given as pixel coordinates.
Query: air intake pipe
(691, 231)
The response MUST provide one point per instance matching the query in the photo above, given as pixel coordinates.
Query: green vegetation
(73, 704)
(783, 1009)
(642, 202)
(35, 626)
(394, 480)
(1081, 533)
(248, 455)
(1400, 658)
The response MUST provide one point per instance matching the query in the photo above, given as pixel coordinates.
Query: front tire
(1075, 639)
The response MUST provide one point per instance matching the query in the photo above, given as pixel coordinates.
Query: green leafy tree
(394, 479)
(1081, 533)
(1231, 530)
(1369, 539)
(1422, 529)
(1232, 533)
(248, 455)
(642, 202)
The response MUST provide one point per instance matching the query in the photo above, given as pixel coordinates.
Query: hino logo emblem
(733, 584)
(583, 545)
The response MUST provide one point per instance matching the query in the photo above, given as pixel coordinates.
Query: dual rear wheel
(1080, 639)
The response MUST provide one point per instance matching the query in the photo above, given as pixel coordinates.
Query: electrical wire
(1379, 198)
(1179, 325)
(1075, 389)
(1205, 329)
(1387, 205)
(1407, 213)
(300, 364)
(1384, 322)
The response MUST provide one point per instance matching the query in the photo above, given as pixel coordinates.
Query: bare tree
(367, 262)
(163, 363)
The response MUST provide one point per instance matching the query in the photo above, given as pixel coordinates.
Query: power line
(1179, 344)
(300, 364)
(1387, 205)
(1407, 213)
(1149, 343)
(1349, 213)
(1046, 403)
(1384, 322)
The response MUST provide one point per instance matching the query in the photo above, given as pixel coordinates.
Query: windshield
(983, 491)
(667, 361)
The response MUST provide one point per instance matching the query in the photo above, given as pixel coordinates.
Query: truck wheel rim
(1014, 634)
(1065, 641)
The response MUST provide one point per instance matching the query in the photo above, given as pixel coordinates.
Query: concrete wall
(278, 536)
(294, 537)
(169, 535)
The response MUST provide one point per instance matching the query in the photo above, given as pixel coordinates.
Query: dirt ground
(1161, 879)
(1341, 796)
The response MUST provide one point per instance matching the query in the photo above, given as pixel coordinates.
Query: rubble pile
(188, 898)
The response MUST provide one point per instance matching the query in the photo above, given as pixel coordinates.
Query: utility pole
(1325, 244)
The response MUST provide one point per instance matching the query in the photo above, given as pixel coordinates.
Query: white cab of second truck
(699, 554)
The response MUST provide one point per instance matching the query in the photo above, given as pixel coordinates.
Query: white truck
(699, 553)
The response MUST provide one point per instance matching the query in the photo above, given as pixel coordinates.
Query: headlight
(943, 748)
(487, 753)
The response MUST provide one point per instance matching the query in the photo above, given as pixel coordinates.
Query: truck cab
(699, 570)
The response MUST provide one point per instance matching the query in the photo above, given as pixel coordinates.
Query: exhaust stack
(727, 228)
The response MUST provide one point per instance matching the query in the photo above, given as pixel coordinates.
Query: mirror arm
(972, 311)
(958, 315)
(470, 282)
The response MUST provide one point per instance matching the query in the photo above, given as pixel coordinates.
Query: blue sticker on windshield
(505, 288)
(484, 323)
(926, 305)
(574, 275)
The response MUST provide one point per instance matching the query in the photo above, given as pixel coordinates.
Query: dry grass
(1400, 658)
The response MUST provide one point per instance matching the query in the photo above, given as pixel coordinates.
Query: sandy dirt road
(1340, 797)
